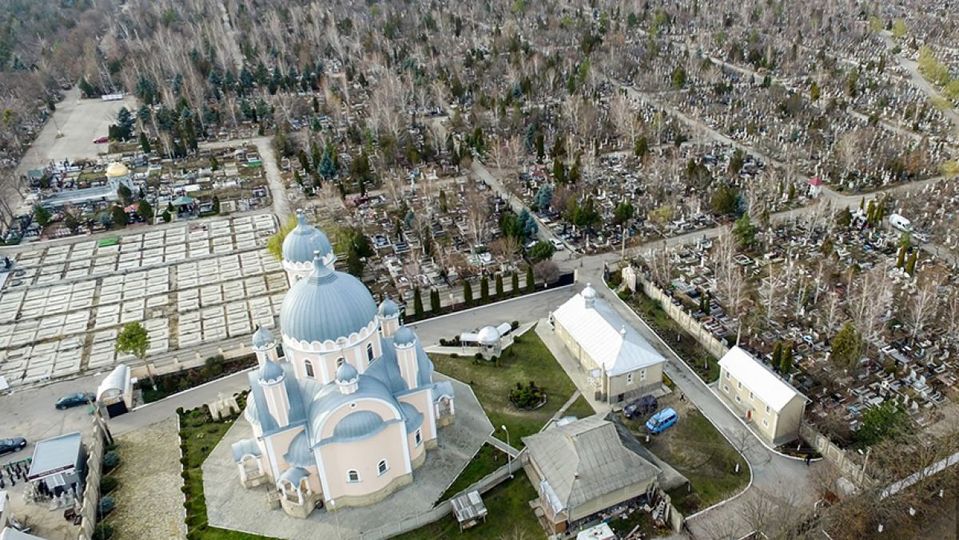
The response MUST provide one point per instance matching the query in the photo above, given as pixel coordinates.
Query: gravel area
(149, 500)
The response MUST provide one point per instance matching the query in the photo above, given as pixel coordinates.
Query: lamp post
(509, 457)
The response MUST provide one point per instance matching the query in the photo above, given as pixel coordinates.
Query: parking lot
(198, 283)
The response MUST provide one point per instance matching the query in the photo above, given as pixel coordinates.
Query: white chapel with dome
(350, 409)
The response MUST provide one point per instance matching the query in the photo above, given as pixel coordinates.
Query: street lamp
(509, 456)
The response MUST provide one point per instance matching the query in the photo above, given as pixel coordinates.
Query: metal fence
(440, 511)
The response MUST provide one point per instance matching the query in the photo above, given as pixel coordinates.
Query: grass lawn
(700, 453)
(509, 516)
(580, 408)
(526, 360)
(695, 356)
(199, 434)
(487, 460)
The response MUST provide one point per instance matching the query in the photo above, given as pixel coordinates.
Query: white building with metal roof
(621, 361)
(761, 397)
(350, 409)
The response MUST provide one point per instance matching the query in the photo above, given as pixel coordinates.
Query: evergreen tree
(434, 301)
(123, 129)
(484, 289)
(144, 143)
(417, 303)
(786, 365)
(468, 293)
(41, 215)
(145, 210)
(777, 355)
(166, 216)
(499, 285)
(846, 346)
(530, 280)
(514, 284)
(119, 216)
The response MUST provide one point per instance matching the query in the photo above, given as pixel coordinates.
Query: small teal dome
(388, 309)
(404, 336)
(304, 240)
(326, 306)
(346, 372)
(263, 338)
(270, 371)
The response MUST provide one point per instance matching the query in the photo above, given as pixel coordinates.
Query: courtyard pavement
(229, 506)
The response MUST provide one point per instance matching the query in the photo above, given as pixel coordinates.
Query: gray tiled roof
(245, 447)
(585, 459)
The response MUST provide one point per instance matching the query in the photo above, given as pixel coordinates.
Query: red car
(101, 140)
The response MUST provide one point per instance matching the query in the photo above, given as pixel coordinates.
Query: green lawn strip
(526, 360)
(486, 461)
(691, 352)
(700, 453)
(509, 516)
(199, 434)
(580, 408)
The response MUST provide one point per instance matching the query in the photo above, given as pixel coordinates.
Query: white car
(559, 246)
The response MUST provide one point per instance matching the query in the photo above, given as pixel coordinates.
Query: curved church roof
(326, 306)
(117, 169)
(358, 424)
(301, 244)
(329, 398)
(299, 453)
(263, 338)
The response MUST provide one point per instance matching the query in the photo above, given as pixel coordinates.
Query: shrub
(106, 505)
(103, 531)
(526, 396)
(514, 325)
(110, 461)
(454, 355)
(108, 484)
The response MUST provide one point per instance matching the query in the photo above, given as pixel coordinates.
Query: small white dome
(589, 292)
(488, 335)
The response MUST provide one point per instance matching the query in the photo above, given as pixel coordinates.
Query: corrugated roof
(605, 336)
(759, 379)
(585, 459)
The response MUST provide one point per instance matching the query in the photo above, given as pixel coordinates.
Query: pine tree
(514, 284)
(530, 280)
(144, 143)
(484, 289)
(417, 303)
(499, 285)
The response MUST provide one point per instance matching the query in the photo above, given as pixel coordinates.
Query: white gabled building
(771, 404)
(600, 339)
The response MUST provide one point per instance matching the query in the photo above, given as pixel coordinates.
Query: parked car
(13, 444)
(101, 140)
(662, 421)
(75, 400)
(557, 245)
(640, 407)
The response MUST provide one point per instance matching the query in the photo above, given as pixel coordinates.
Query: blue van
(662, 421)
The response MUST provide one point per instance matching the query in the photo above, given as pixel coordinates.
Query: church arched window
(352, 475)
(308, 365)
(340, 361)
(369, 352)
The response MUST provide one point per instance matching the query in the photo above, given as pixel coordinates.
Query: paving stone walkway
(149, 500)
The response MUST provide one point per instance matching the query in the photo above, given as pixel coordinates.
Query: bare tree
(921, 304)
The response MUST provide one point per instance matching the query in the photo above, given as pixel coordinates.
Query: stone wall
(91, 490)
(635, 280)
(850, 468)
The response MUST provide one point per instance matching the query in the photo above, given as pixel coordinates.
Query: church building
(350, 409)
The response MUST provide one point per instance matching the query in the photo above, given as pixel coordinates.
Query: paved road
(29, 412)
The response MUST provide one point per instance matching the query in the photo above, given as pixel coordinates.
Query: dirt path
(149, 500)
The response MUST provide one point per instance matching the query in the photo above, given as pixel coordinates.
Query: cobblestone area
(229, 506)
(149, 500)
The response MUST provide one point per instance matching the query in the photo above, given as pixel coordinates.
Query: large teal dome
(304, 241)
(326, 306)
